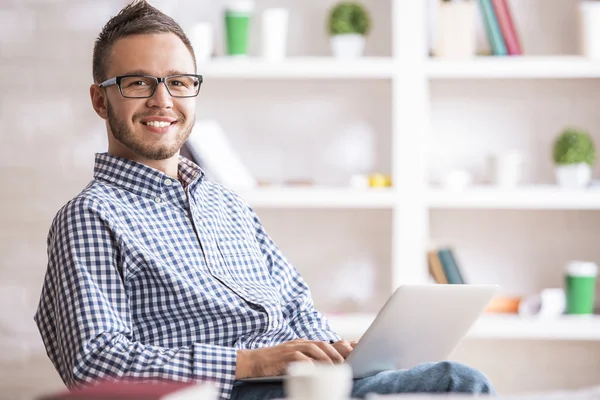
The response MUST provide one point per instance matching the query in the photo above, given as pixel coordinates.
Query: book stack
(500, 28)
(444, 269)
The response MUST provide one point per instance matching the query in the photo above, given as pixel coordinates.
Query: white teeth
(158, 124)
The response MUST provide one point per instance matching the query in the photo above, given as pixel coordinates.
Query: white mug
(308, 381)
(507, 169)
(202, 38)
(549, 302)
(589, 29)
(274, 33)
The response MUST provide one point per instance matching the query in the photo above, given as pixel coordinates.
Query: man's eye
(139, 83)
(177, 83)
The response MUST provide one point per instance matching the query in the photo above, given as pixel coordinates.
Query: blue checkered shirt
(161, 279)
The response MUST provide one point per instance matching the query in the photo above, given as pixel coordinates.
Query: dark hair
(137, 18)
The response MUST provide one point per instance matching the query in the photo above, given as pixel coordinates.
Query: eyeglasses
(144, 86)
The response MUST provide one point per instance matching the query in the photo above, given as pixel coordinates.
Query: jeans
(428, 377)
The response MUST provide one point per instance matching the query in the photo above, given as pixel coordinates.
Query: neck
(168, 166)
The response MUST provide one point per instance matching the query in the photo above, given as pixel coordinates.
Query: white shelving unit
(411, 75)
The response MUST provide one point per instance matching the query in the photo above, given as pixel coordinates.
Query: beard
(135, 143)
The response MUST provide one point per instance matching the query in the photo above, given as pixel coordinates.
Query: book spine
(456, 266)
(450, 267)
(435, 268)
(507, 27)
(493, 29)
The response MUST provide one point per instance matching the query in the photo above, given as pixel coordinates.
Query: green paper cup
(580, 282)
(237, 27)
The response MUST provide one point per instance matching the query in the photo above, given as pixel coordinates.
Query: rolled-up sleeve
(84, 317)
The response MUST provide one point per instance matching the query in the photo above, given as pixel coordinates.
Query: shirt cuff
(215, 364)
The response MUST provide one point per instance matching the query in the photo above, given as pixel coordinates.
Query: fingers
(353, 343)
(300, 356)
(344, 348)
(331, 351)
(323, 351)
(315, 352)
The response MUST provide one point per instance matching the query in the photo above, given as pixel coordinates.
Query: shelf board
(318, 197)
(537, 197)
(567, 327)
(490, 326)
(556, 67)
(297, 67)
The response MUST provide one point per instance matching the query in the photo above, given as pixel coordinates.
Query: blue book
(450, 266)
(492, 27)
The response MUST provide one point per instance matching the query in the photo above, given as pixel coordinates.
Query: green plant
(574, 146)
(349, 17)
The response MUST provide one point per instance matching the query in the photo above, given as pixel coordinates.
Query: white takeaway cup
(274, 33)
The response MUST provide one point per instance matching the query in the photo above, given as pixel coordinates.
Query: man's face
(157, 55)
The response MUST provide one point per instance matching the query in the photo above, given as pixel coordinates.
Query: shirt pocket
(245, 262)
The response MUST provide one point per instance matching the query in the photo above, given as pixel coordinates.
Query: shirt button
(168, 182)
(157, 199)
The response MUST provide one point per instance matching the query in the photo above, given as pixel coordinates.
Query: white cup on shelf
(455, 29)
(202, 39)
(589, 29)
(274, 33)
(549, 303)
(457, 180)
(507, 169)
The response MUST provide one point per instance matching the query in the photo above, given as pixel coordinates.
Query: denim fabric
(424, 378)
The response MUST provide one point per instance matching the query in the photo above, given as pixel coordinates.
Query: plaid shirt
(149, 277)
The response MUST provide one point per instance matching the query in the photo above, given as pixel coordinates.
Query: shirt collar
(142, 179)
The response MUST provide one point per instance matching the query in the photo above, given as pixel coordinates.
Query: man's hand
(274, 360)
(344, 347)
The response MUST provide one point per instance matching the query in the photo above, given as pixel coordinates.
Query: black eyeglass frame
(117, 81)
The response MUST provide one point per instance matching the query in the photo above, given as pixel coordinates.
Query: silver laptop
(418, 323)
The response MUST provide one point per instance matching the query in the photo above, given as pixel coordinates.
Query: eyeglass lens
(142, 86)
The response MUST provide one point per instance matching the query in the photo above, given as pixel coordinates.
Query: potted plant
(574, 155)
(349, 23)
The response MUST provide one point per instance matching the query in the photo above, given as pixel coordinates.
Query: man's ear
(98, 97)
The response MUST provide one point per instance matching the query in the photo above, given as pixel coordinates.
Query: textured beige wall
(48, 134)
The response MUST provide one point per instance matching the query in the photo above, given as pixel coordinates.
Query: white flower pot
(574, 176)
(348, 46)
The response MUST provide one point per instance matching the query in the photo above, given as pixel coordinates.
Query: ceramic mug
(317, 381)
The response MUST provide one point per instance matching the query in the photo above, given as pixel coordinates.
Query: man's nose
(161, 97)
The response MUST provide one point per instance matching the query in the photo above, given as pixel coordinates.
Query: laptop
(417, 324)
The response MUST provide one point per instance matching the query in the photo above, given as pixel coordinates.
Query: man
(156, 273)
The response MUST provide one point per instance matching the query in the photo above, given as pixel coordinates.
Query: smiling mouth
(158, 124)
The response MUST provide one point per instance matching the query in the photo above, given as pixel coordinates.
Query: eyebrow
(145, 72)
